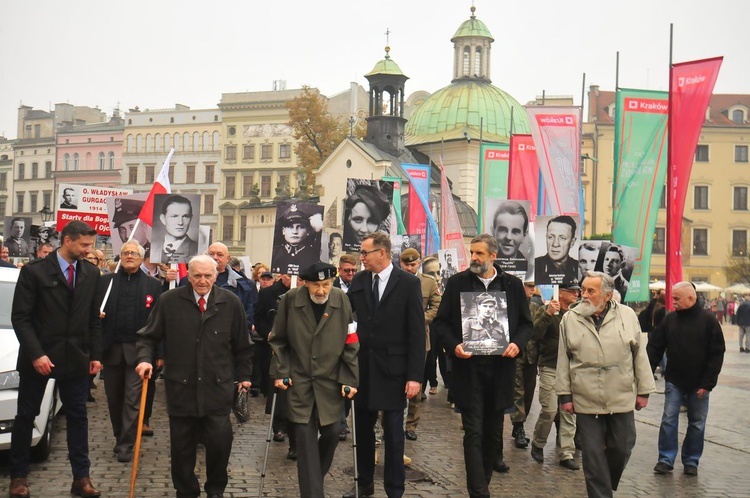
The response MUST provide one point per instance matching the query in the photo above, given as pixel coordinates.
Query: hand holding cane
(286, 382)
(347, 390)
(139, 432)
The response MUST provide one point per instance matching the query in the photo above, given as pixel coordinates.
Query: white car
(43, 424)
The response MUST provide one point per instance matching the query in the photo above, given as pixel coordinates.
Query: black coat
(50, 319)
(265, 310)
(203, 354)
(392, 347)
(149, 290)
(447, 325)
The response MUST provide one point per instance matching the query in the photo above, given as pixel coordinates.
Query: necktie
(202, 304)
(71, 276)
(375, 291)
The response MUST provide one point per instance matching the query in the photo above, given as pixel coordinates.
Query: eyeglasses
(93, 259)
(348, 270)
(134, 254)
(365, 253)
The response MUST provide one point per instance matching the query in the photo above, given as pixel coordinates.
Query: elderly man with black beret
(315, 346)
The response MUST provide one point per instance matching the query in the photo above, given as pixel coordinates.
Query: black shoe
(537, 454)
(342, 435)
(292, 454)
(520, 439)
(254, 392)
(364, 491)
(662, 468)
(500, 466)
(423, 397)
(91, 398)
(569, 464)
(278, 436)
(691, 470)
(216, 495)
(410, 435)
(124, 456)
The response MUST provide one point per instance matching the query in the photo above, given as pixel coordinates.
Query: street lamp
(46, 214)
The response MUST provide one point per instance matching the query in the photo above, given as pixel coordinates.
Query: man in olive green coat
(315, 346)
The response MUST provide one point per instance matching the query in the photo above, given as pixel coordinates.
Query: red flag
(523, 172)
(557, 137)
(450, 226)
(690, 87)
(161, 186)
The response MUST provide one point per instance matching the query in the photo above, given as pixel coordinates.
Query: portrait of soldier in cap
(297, 238)
(123, 215)
(485, 322)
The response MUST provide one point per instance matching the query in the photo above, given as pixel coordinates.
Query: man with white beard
(603, 374)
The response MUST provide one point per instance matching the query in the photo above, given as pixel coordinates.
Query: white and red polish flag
(451, 236)
(161, 186)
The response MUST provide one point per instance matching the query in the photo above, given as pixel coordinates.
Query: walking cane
(139, 433)
(354, 444)
(268, 438)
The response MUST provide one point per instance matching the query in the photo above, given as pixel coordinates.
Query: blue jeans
(697, 411)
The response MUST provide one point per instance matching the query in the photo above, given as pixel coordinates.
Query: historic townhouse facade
(196, 164)
(34, 154)
(716, 221)
(6, 180)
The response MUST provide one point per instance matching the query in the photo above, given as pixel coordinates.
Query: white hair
(608, 283)
(202, 258)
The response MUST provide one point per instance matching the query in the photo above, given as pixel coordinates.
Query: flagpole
(617, 71)
(670, 191)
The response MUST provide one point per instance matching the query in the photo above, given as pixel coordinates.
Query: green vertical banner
(493, 175)
(640, 172)
(400, 228)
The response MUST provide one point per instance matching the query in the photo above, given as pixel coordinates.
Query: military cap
(126, 210)
(266, 274)
(485, 298)
(295, 213)
(571, 287)
(317, 272)
(410, 255)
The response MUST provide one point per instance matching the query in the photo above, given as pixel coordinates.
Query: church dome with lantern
(470, 103)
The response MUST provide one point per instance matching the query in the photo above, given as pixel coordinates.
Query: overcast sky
(156, 53)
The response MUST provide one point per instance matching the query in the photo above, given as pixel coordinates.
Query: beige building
(716, 221)
(6, 180)
(259, 163)
(195, 167)
(34, 154)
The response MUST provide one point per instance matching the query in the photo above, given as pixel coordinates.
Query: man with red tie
(207, 347)
(56, 319)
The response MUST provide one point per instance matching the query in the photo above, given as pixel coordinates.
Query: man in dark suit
(131, 300)
(176, 216)
(485, 384)
(391, 328)
(207, 324)
(56, 319)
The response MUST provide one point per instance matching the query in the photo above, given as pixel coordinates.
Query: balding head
(220, 253)
(683, 296)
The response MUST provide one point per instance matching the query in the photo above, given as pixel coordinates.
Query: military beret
(317, 272)
(126, 210)
(484, 298)
(410, 255)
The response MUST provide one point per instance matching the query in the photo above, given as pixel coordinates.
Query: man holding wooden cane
(206, 344)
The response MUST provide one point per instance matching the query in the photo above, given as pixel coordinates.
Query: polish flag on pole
(161, 186)
(451, 235)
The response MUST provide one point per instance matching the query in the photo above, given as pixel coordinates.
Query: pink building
(90, 154)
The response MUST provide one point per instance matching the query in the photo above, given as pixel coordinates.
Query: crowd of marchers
(365, 336)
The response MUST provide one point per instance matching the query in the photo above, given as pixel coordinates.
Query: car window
(6, 289)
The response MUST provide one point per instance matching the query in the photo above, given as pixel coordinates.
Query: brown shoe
(82, 487)
(147, 431)
(19, 488)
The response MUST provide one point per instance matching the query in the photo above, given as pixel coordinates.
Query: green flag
(400, 229)
(493, 175)
(640, 171)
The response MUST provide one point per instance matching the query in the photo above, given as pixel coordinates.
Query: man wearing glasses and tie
(391, 327)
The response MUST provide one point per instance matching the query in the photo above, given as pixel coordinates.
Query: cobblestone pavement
(437, 453)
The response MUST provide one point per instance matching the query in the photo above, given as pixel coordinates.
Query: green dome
(472, 27)
(456, 109)
(386, 66)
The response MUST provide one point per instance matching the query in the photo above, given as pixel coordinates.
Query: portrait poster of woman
(367, 209)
